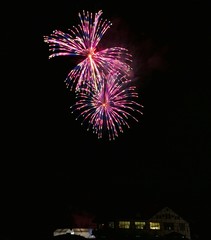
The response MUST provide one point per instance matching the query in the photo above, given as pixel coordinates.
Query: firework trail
(83, 41)
(108, 109)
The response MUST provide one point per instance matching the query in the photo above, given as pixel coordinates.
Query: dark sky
(50, 162)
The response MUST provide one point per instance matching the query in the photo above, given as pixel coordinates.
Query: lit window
(124, 224)
(154, 225)
(140, 225)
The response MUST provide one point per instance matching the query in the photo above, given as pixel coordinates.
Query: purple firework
(83, 41)
(108, 107)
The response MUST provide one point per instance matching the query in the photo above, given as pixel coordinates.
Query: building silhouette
(163, 224)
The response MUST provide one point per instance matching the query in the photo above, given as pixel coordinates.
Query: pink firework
(83, 41)
(108, 108)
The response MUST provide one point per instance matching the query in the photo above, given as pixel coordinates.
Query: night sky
(50, 163)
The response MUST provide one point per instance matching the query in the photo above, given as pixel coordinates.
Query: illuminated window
(124, 224)
(154, 225)
(140, 225)
(111, 224)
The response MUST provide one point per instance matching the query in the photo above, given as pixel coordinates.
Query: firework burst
(83, 41)
(105, 97)
(108, 109)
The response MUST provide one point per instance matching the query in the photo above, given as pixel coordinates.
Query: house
(163, 224)
(166, 221)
